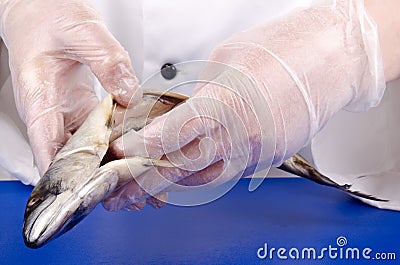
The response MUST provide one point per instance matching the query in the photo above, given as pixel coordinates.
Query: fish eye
(33, 201)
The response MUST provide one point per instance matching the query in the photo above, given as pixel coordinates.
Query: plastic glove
(305, 67)
(52, 45)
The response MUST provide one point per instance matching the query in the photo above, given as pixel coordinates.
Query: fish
(75, 183)
(84, 172)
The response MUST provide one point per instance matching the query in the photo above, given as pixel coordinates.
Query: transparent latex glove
(304, 67)
(53, 48)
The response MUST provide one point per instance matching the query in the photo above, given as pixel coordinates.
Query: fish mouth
(35, 209)
(48, 216)
(48, 219)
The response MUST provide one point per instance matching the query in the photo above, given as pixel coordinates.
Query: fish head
(70, 188)
(54, 208)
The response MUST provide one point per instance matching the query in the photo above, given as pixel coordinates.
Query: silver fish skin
(69, 189)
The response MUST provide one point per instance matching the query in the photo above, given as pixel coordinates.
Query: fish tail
(301, 167)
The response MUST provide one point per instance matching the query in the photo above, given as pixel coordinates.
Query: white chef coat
(155, 32)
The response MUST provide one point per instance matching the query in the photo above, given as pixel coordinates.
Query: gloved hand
(53, 48)
(300, 69)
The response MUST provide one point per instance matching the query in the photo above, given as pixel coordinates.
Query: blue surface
(282, 213)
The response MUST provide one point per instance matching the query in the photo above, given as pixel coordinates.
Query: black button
(168, 71)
